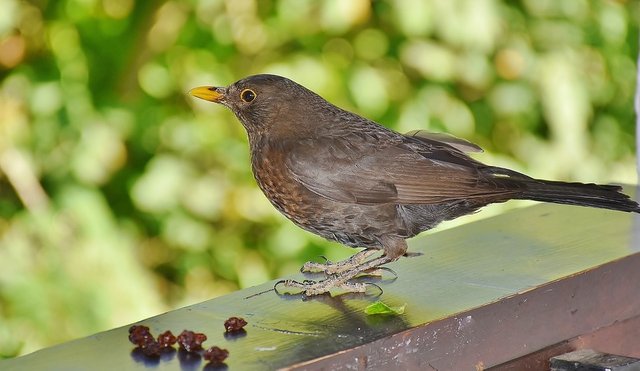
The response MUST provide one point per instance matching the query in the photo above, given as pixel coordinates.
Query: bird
(354, 181)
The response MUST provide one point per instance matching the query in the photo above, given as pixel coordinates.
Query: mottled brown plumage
(351, 180)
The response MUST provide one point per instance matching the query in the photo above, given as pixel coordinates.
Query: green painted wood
(466, 274)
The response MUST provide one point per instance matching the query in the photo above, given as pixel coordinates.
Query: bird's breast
(277, 183)
(349, 223)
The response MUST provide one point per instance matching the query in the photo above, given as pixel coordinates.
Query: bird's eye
(247, 95)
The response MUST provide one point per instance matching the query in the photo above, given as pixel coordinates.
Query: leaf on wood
(381, 308)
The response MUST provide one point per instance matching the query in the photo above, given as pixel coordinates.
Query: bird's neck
(291, 124)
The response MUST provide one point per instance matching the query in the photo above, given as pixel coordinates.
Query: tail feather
(581, 194)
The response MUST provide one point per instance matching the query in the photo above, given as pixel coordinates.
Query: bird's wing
(440, 138)
(356, 169)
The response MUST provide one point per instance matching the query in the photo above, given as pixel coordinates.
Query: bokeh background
(121, 197)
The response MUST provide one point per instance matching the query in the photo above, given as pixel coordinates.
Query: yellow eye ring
(248, 95)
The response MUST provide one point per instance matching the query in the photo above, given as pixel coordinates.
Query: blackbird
(351, 180)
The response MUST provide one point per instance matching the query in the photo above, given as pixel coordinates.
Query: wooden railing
(507, 292)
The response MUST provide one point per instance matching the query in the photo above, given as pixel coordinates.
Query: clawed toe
(311, 288)
(313, 267)
(331, 268)
(340, 274)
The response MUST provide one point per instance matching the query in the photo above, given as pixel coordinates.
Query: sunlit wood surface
(482, 294)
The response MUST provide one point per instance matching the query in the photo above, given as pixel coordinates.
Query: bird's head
(270, 104)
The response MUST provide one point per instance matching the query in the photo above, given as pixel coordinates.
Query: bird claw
(349, 269)
(312, 288)
(313, 267)
(331, 268)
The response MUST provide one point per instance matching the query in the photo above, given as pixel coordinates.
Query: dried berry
(215, 355)
(234, 324)
(140, 335)
(152, 348)
(191, 341)
(166, 339)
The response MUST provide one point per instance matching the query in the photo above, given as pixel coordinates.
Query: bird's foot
(331, 268)
(341, 280)
(311, 288)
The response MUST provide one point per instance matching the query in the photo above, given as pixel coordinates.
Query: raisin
(166, 339)
(215, 355)
(140, 335)
(191, 341)
(234, 324)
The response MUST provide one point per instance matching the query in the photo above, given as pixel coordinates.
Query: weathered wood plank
(481, 295)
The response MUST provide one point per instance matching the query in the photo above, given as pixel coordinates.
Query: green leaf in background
(381, 308)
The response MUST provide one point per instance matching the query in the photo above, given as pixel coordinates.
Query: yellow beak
(208, 93)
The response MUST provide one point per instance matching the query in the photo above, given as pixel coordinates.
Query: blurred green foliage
(120, 197)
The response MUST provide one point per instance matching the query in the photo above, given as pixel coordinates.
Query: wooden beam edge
(512, 327)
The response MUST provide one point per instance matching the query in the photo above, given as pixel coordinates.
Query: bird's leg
(394, 248)
(332, 268)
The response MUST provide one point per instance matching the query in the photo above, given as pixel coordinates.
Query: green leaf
(381, 308)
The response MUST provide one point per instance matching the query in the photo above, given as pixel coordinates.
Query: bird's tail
(593, 195)
(581, 194)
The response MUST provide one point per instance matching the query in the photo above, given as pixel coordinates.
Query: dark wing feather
(443, 138)
(356, 169)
